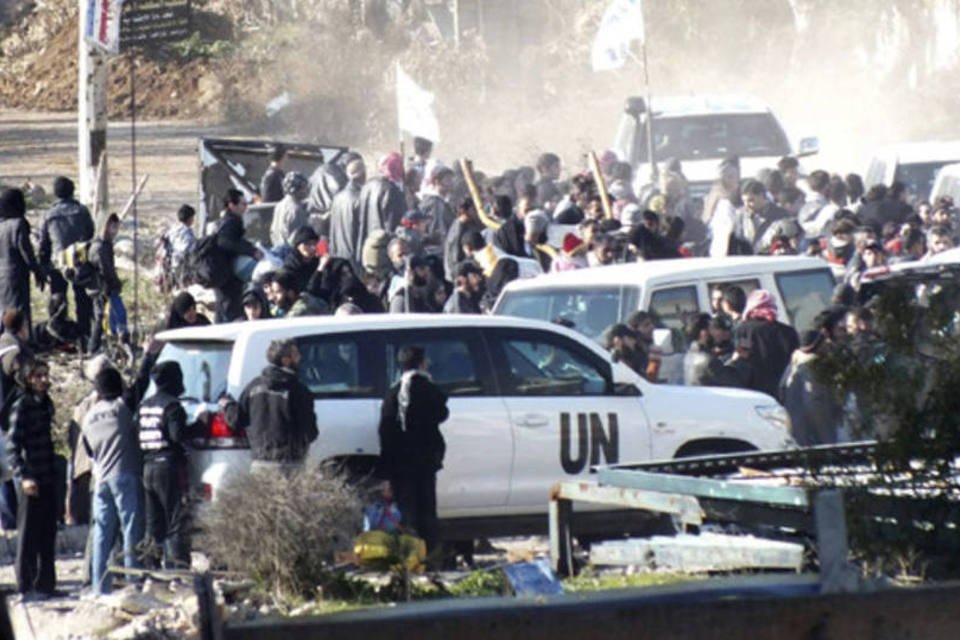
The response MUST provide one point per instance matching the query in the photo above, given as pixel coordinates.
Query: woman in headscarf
(183, 313)
(17, 259)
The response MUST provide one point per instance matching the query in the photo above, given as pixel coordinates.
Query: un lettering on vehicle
(584, 438)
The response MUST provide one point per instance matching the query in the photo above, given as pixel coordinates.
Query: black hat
(108, 384)
(620, 330)
(304, 234)
(419, 261)
(12, 204)
(467, 267)
(168, 376)
(183, 302)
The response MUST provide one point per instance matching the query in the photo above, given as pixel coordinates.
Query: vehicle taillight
(206, 492)
(219, 427)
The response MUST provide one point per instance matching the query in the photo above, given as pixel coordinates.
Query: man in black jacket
(63, 225)
(108, 285)
(230, 240)
(17, 260)
(163, 430)
(411, 445)
(276, 409)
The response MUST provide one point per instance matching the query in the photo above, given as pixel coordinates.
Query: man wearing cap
(415, 227)
(345, 240)
(470, 286)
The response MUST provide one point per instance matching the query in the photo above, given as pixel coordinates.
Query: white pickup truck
(531, 403)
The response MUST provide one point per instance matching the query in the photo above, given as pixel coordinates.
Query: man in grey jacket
(111, 439)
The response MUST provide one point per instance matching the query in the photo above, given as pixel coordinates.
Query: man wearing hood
(276, 410)
(255, 303)
(183, 313)
(345, 239)
(302, 262)
(411, 445)
(17, 260)
(66, 223)
(164, 432)
(382, 204)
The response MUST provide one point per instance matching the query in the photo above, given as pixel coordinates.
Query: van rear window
(204, 366)
(805, 294)
(591, 311)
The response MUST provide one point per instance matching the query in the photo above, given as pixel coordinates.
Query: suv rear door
(563, 412)
(479, 457)
(345, 374)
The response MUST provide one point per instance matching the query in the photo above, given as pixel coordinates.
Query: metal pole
(91, 121)
(646, 81)
(133, 190)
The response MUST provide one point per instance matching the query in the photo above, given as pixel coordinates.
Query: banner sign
(150, 22)
(102, 28)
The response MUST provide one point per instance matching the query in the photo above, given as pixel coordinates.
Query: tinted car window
(339, 365)
(673, 305)
(715, 136)
(590, 311)
(545, 366)
(805, 294)
(919, 177)
(454, 362)
(204, 366)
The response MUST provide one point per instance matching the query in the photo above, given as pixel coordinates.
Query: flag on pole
(415, 108)
(622, 23)
(102, 29)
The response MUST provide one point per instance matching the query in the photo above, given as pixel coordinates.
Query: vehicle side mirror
(663, 341)
(626, 389)
(808, 146)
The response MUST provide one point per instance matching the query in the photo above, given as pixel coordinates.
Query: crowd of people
(416, 237)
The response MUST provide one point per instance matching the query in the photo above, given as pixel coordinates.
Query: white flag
(622, 23)
(103, 24)
(415, 108)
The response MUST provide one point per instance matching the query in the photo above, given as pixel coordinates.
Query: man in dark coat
(17, 260)
(163, 432)
(271, 184)
(765, 343)
(63, 225)
(302, 262)
(276, 409)
(108, 284)
(466, 222)
(382, 204)
(433, 198)
(510, 236)
(345, 240)
(411, 445)
(230, 240)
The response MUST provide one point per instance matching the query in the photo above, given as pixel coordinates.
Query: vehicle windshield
(204, 366)
(919, 177)
(590, 312)
(714, 136)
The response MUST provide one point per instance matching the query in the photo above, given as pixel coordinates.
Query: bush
(283, 531)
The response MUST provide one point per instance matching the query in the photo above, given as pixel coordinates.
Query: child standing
(31, 455)
(182, 239)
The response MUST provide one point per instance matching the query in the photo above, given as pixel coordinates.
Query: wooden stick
(601, 184)
(467, 167)
(134, 196)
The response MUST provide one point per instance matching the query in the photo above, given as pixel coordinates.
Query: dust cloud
(856, 74)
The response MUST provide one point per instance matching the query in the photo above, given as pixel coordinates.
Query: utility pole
(92, 122)
(456, 23)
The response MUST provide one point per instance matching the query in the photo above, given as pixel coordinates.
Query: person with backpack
(108, 307)
(230, 244)
(64, 225)
(17, 260)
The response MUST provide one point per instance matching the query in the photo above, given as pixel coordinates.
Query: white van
(947, 183)
(915, 164)
(531, 403)
(593, 299)
(702, 130)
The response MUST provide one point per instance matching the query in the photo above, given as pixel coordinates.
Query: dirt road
(43, 146)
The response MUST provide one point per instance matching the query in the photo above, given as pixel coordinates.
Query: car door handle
(532, 420)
